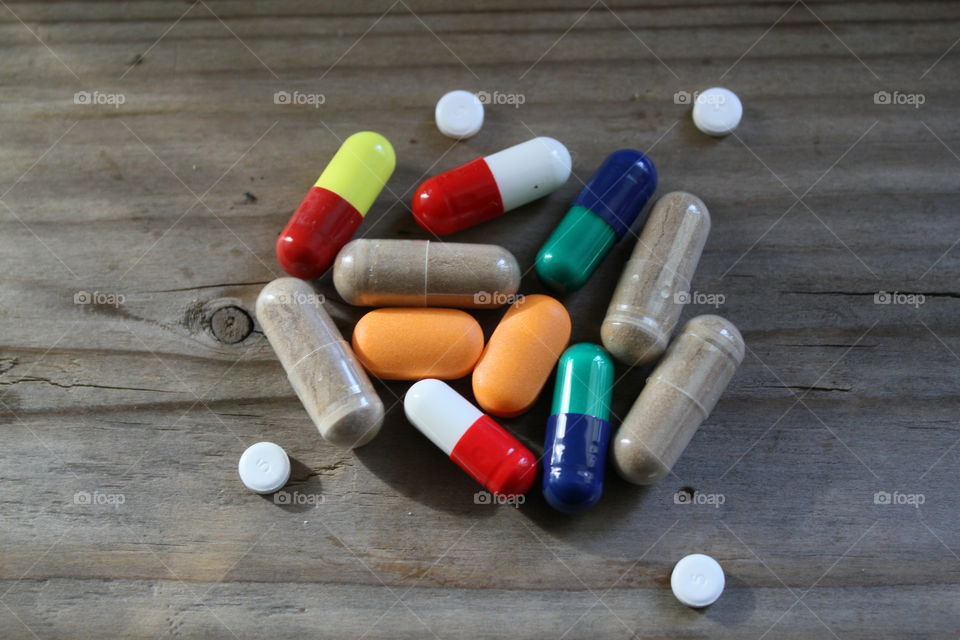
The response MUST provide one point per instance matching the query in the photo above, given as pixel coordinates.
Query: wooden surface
(173, 199)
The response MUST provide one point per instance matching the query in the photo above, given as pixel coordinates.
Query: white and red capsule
(482, 448)
(488, 187)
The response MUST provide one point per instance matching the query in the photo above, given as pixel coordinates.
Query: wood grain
(164, 209)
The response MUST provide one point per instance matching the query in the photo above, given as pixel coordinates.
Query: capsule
(420, 273)
(488, 187)
(333, 388)
(520, 355)
(480, 446)
(655, 282)
(578, 430)
(598, 218)
(678, 397)
(335, 206)
(413, 344)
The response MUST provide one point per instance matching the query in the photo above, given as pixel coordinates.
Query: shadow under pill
(411, 465)
(735, 605)
(303, 491)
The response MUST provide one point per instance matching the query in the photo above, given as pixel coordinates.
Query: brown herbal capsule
(679, 395)
(421, 273)
(319, 363)
(649, 297)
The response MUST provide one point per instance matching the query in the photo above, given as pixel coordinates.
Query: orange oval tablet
(520, 355)
(413, 344)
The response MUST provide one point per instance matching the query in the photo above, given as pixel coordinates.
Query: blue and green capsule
(578, 431)
(601, 215)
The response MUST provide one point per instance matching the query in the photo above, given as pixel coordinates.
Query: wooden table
(147, 167)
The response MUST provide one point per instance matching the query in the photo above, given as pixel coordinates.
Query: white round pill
(717, 111)
(264, 467)
(697, 580)
(459, 114)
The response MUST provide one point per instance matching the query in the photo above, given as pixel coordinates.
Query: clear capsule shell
(421, 273)
(679, 395)
(320, 365)
(650, 295)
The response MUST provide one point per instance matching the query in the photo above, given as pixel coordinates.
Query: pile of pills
(422, 332)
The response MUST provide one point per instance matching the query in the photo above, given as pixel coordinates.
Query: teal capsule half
(578, 431)
(601, 215)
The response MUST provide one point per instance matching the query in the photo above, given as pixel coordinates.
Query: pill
(679, 395)
(335, 206)
(264, 467)
(421, 273)
(717, 111)
(578, 430)
(601, 214)
(320, 365)
(520, 355)
(413, 344)
(480, 446)
(655, 282)
(459, 114)
(488, 187)
(697, 580)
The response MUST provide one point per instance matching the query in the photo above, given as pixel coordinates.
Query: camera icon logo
(881, 497)
(482, 497)
(682, 297)
(282, 497)
(882, 297)
(682, 497)
(82, 497)
(682, 97)
(483, 97)
(82, 97)
(482, 297)
(281, 97)
(82, 297)
(882, 97)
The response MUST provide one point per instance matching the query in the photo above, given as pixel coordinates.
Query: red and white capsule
(482, 448)
(489, 187)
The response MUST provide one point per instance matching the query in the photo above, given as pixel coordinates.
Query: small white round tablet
(697, 580)
(459, 114)
(264, 467)
(717, 111)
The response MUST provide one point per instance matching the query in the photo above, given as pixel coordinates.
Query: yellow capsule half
(359, 169)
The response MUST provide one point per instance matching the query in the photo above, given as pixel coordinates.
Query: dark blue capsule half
(620, 188)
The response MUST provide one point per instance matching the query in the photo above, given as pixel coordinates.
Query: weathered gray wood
(154, 398)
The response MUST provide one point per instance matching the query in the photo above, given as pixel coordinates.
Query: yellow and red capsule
(336, 205)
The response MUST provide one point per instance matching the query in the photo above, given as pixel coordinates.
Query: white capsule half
(439, 412)
(529, 170)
